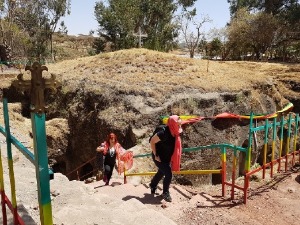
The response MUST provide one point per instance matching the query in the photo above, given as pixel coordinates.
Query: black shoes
(167, 197)
(153, 189)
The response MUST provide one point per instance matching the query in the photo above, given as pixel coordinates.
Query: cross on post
(140, 35)
(36, 86)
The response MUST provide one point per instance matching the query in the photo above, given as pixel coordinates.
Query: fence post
(295, 139)
(223, 160)
(37, 86)
(4, 216)
(10, 162)
(281, 142)
(265, 147)
(248, 157)
(273, 145)
(41, 167)
(288, 141)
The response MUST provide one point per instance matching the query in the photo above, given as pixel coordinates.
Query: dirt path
(271, 201)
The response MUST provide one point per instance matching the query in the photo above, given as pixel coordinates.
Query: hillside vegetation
(126, 92)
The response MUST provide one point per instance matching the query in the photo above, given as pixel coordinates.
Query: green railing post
(41, 167)
(265, 147)
(281, 141)
(295, 138)
(288, 141)
(37, 86)
(273, 144)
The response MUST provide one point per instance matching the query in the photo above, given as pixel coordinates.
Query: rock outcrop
(127, 91)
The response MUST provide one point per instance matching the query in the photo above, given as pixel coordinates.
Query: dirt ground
(270, 201)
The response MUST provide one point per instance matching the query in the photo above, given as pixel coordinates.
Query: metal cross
(37, 86)
(140, 35)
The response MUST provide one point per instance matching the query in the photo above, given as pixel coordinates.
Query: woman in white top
(111, 150)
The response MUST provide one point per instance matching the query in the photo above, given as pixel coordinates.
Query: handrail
(201, 148)
(276, 126)
(79, 167)
(20, 146)
(28, 154)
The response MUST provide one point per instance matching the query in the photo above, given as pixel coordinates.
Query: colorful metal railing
(290, 126)
(77, 170)
(223, 150)
(43, 173)
(36, 86)
(292, 132)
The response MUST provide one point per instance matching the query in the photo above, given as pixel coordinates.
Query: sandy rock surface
(273, 201)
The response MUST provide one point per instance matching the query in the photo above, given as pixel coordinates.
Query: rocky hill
(271, 201)
(127, 91)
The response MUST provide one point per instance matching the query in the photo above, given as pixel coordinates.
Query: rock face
(126, 92)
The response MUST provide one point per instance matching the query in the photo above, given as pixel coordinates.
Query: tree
(287, 14)
(119, 20)
(254, 32)
(37, 18)
(191, 29)
(63, 29)
(215, 48)
(273, 7)
(221, 35)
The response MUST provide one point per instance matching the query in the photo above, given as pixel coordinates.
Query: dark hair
(111, 135)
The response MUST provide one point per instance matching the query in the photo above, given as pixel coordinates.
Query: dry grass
(151, 72)
(155, 74)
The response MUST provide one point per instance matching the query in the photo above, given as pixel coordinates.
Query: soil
(270, 201)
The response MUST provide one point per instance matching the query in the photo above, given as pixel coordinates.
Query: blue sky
(82, 20)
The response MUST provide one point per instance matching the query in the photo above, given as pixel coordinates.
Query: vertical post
(125, 177)
(4, 216)
(10, 163)
(296, 137)
(265, 147)
(223, 160)
(41, 167)
(37, 86)
(281, 142)
(273, 145)
(288, 141)
(233, 172)
(248, 158)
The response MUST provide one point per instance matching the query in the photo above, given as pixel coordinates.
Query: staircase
(139, 194)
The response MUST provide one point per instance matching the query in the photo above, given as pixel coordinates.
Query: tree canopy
(36, 19)
(120, 21)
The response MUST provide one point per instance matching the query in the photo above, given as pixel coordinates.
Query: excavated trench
(83, 113)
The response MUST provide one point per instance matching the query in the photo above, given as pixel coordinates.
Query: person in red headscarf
(112, 150)
(166, 153)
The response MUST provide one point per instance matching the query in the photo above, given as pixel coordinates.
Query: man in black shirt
(163, 144)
